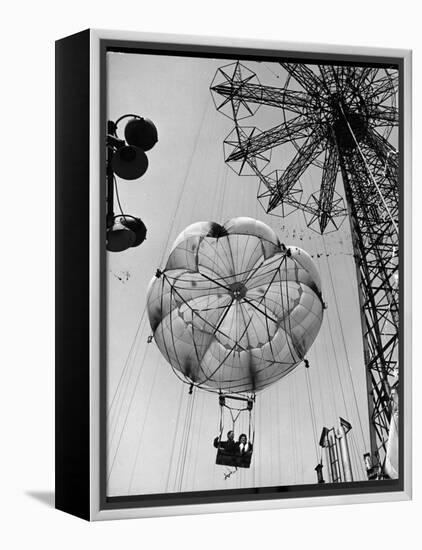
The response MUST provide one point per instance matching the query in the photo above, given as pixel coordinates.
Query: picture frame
(84, 99)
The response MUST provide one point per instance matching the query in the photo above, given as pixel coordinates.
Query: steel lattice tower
(341, 119)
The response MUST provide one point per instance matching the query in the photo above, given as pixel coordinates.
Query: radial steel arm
(264, 95)
(305, 76)
(309, 152)
(297, 128)
(328, 183)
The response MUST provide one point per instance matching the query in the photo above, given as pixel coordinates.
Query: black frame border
(72, 275)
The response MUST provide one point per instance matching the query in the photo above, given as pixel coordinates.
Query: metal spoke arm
(328, 183)
(264, 95)
(269, 139)
(304, 76)
(384, 116)
(385, 87)
(304, 157)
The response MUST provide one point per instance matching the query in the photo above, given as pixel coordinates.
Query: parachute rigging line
(349, 369)
(357, 462)
(292, 407)
(311, 402)
(125, 368)
(185, 180)
(142, 430)
(309, 388)
(310, 398)
(127, 415)
(330, 332)
(191, 405)
(173, 446)
(311, 407)
(123, 372)
(199, 431)
(217, 328)
(123, 394)
(182, 291)
(181, 448)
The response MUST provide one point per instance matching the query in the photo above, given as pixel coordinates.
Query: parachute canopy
(235, 310)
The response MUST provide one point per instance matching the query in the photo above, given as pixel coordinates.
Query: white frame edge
(96, 513)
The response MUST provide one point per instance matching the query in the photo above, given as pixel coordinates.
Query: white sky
(150, 447)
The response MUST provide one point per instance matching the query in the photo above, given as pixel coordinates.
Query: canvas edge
(97, 513)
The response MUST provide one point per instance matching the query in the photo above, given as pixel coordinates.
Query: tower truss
(343, 120)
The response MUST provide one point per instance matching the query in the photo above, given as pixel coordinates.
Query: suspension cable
(349, 370)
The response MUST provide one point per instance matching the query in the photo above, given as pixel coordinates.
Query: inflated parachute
(234, 310)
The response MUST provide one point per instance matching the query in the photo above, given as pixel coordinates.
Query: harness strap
(221, 421)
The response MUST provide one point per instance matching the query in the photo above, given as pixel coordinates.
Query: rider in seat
(227, 450)
(244, 451)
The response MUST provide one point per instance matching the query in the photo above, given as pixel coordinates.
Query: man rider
(229, 445)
